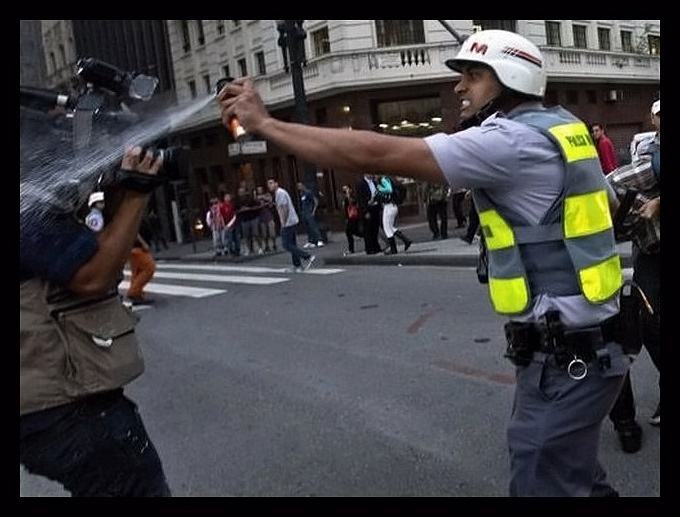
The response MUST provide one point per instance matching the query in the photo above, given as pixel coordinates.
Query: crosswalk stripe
(232, 279)
(243, 269)
(177, 290)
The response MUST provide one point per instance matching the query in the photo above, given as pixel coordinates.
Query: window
(654, 45)
(392, 33)
(321, 115)
(572, 96)
(320, 42)
(552, 33)
(242, 67)
(604, 39)
(551, 98)
(62, 54)
(580, 40)
(195, 142)
(504, 25)
(225, 71)
(211, 139)
(206, 81)
(201, 34)
(627, 41)
(192, 88)
(591, 96)
(217, 173)
(261, 67)
(220, 27)
(202, 175)
(185, 35)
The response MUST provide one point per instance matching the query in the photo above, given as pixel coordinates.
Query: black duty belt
(572, 348)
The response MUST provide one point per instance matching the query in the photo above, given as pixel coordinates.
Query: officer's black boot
(393, 246)
(406, 240)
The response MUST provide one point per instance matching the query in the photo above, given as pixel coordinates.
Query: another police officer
(543, 206)
(78, 347)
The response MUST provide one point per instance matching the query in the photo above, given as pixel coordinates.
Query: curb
(422, 260)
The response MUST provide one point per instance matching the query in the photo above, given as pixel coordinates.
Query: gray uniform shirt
(283, 201)
(521, 169)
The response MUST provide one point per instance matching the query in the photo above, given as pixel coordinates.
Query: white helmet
(95, 197)
(518, 63)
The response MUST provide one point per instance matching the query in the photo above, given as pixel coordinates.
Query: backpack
(398, 192)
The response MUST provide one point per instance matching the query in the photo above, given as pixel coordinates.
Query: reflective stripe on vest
(585, 229)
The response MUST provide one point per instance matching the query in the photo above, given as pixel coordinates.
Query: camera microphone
(42, 99)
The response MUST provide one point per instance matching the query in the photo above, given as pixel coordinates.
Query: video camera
(97, 111)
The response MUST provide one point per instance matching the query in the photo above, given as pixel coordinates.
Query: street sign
(234, 149)
(252, 147)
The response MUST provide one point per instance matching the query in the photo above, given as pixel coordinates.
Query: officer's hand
(133, 161)
(240, 98)
(651, 209)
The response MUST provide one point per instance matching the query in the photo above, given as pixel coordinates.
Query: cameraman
(78, 349)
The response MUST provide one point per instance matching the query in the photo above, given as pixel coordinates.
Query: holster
(551, 337)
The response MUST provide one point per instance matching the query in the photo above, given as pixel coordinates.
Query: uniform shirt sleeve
(54, 247)
(479, 157)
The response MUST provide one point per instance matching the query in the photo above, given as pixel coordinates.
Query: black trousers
(457, 202)
(647, 274)
(473, 224)
(371, 229)
(437, 209)
(352, 228)
(94, 447)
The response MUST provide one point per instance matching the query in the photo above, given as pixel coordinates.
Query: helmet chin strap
(481, 115)
(503, 101)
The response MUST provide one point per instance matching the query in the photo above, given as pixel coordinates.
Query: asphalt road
(372, 381)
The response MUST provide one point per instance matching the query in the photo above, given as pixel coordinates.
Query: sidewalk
(423, 252)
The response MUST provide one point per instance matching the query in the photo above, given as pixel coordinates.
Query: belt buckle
(577, 369)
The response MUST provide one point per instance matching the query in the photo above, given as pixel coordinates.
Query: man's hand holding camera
(140, 174)
(145, 165)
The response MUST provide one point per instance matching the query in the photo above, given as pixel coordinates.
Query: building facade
(32, 70)
(389, 76)
(60, 53)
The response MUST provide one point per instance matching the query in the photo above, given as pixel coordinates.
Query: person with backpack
(391, 193)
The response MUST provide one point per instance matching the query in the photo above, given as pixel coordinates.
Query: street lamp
(291, 40)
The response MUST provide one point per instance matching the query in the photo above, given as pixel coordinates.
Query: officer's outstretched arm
(354, 151)
(100, 273)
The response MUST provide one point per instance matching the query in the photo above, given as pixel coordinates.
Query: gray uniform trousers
(554, 430)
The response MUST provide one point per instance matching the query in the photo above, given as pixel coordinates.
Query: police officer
(543, 204)
(78, 347)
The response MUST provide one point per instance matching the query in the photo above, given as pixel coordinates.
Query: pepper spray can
(235, 128)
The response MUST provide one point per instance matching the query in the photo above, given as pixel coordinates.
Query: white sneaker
(308, 263)
(319, 244)
(309, 245)
(299, 269)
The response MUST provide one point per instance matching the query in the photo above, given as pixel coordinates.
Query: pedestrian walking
(302, 260)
